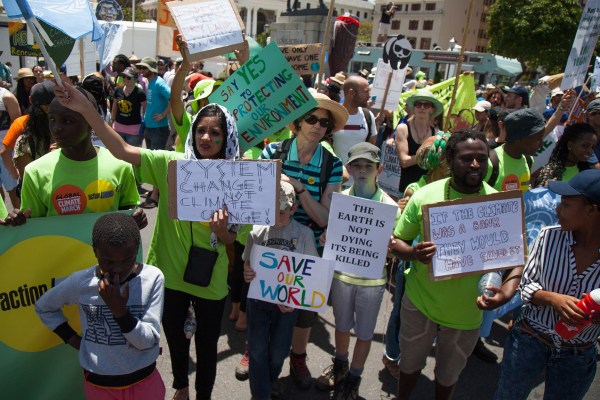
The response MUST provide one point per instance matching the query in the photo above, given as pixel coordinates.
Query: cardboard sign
(358, 235)
(290, 279)
(394, 89)
(583, 46)
(210, 27)
(476, 234)
(249, 189)
(304, 58)
(389, 179)
(263, 95)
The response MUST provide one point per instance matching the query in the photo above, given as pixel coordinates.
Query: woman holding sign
(176, 244)
(315, 174)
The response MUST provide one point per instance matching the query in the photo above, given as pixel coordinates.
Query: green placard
(263, 96)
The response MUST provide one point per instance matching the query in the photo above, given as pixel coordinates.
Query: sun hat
(149, 63)
(366, 151)
(25, 73)
(338, 78)
(523, 123)
(338, 111)
(425, 95)
(586, 183)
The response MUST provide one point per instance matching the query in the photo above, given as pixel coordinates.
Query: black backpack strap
(326, 168)
(495, 168)
(368, 118)
(282, 150)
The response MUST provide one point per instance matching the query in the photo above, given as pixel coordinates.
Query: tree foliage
(364, 31)
(140, 15)
(536, 32)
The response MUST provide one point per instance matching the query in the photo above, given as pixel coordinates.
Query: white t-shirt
(355, 131)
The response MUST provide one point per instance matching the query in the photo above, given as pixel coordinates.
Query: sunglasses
(423, 104)
(127, 77)
(313, 119)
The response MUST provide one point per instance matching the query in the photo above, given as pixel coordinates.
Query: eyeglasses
(423, 104)
(313, 119)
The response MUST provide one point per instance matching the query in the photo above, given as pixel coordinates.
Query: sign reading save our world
(290, 279)
(263, 95)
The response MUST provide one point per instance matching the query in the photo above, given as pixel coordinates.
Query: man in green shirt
(446, 309)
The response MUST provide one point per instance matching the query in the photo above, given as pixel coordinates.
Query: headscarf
(433, 151)
(232, 152)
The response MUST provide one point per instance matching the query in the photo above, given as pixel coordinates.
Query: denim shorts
(156, 138)
(356, 307)
(6, 180)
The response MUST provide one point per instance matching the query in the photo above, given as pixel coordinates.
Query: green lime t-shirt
(569, 173)
(171, 240)
(513, 174)
(56, 185)
(450, 302)
(182, 130)
(3, 210)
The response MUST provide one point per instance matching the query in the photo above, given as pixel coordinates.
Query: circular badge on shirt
(311, 180)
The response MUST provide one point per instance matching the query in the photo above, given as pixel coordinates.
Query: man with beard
(447, 309)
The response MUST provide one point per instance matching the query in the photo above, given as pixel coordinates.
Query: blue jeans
(269, 340)
(392, 333)
(156, 138)
(569, 372)
(134, 140)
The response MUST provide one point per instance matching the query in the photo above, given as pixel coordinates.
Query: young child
(270, 326)
(120, 307)
(355, 300)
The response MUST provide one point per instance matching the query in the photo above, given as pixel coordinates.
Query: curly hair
(37, 132)
(555, 168)
(462, 136)
(116, 230)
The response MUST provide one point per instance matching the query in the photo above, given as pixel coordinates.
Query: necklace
(418, 135)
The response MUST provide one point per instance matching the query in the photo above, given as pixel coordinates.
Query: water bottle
(189, 326)
(490, 279)
(589, 303)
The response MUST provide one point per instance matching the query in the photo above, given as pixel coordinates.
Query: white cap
(556, 92)
(482, 106)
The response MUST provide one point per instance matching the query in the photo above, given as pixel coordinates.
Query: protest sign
(583, 46)
(358, 234)
(263, 95)
(249, 189)
(304, 58)
(291, 279)
(389, 179)
(540, 211)
(166, 31)
(394, 88)
(475, 234)
(595, 83)
(34, 258)
(210, 27)
(542, 155)
(20, 42)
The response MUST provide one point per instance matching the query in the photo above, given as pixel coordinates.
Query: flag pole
(40, 42)
(325, 46)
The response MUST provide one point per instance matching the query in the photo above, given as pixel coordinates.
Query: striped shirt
(310, 175)
(551, 267)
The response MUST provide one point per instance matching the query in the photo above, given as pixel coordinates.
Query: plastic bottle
(490, 279)
(589, 303)
(189, 326)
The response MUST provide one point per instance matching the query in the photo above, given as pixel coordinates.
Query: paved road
(477, 382)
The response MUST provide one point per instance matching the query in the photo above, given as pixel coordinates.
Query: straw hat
(25, 73)
(338, 111)
(425, 95)
(338, 78)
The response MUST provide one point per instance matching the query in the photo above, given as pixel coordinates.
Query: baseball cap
(42, 94)
(522, 92)
(482, 106)
(523, 123)
(364, 150)
(287, 196)
(586, 183)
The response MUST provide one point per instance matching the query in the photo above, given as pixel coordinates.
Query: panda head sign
(396, 52)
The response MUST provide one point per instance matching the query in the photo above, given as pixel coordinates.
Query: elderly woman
(563, 266)
(423, 107)
(213, 135)
(315, 174)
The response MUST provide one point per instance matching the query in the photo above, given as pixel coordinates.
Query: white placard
(389, 178)
(358, 235)
(380, 82)
(583, 46)
(595, 84)
(249, 189)
(291, 279)
(475, 234)
(207, 24)
(542, 155)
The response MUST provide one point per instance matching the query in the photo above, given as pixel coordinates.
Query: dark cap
(42, 94)
(586, 183)
(129, 72)
(523, 123)
(498, 113)
(522, 92)
(149, 63)
(364, 150)
(593, 106)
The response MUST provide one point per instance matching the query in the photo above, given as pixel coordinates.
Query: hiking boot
(347, 389)
(483, 353)
(392, 366)
(242, 369)
(332, 375)
(277, 389)
(299, 371)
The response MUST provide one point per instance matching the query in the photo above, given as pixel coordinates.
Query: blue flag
(73, 17)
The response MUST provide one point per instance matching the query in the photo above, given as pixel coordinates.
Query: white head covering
(232, 151)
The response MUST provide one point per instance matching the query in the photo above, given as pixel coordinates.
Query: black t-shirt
(385, 18)
(129, 107)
